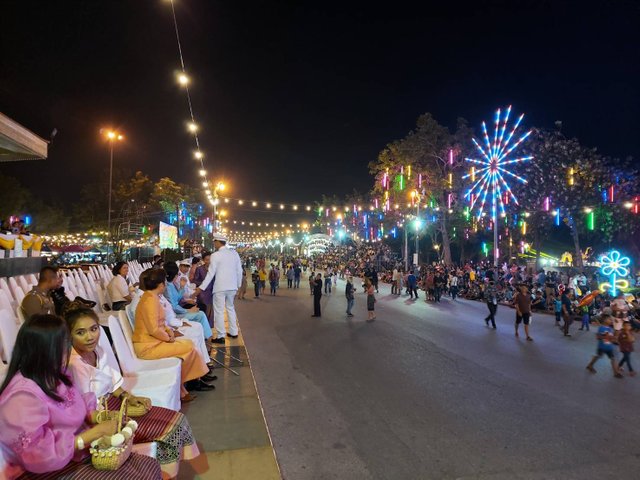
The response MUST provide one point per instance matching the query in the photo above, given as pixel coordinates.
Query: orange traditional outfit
(151, 340)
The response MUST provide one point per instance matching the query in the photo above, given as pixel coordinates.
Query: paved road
(428, 392)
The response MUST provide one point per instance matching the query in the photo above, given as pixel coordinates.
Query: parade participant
(317, 295)
(522, 302)
(371, 300)
(491, 297)
(349, 293)
(605, 338)
(118, 288)
(226, 268)
(626, 338)
(96, 370)
(46, 423)
(153, 339)
(38, 301)
(453, 285)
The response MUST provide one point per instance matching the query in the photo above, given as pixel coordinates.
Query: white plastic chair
(32, 279)
(5, 301)
(158, 379)
(20, 315)
(8, 333)
(22, 282)
(16, 290)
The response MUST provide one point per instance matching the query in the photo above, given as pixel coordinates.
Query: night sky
(295, 98)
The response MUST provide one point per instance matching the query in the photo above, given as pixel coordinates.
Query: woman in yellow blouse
(152, 338)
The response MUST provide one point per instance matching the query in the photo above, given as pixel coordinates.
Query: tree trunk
(461, 250)
(536, 246)
(577, 259)
(446, 241)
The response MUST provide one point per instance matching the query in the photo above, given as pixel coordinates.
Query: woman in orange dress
(152, 339)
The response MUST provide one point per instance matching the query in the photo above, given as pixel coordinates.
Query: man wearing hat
(182, 280)
(226, 268)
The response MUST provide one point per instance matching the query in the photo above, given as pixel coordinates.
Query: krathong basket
(113, 457)
(134, 411)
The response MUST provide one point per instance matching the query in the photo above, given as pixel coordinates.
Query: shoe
(200, 386)
(232, 336)
(218, 340)
(619, 375)
(315, 315)
(486, 320)
(209, 378)
(494, 327)
(349, 314)
(189, 397)
(568, 334)
(591, 369)
(530, 339)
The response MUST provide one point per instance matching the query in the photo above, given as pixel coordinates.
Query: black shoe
(218, 340)
(315, 315)
(209, 378)
(232, 336)
(200, 386)
(349, 314)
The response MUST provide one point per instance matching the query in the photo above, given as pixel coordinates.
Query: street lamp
(218, 188)
(112, 136)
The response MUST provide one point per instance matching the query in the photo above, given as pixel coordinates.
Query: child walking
(557, 308)
(625, 342)
(371, 300)
(605, 346)
(586, 318)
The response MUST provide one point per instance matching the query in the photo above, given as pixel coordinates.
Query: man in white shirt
(225, 266)
(189, 289)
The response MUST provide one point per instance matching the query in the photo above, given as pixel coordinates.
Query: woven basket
(133, 411)
(113, 458)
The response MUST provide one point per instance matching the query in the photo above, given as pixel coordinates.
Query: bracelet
(79, 443)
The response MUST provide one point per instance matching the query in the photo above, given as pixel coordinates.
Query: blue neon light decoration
(614, 266)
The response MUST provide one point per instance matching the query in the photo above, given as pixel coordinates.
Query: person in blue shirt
(412, 285)
(557, 308)
(175, 293)
(605, 337)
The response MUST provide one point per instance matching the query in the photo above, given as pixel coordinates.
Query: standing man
(296, 276)
(204, 297)
(567, 310)
(522, 302)
(412, 285)
(226, 268)
(491, 296)
(317, 295)
(349, 293)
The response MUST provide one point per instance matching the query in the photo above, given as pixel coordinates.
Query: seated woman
(118, 287)
(152, 338)
(95, 371)
(175, 293)
(44, 418)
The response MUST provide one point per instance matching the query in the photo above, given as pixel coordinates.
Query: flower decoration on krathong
(614, 266)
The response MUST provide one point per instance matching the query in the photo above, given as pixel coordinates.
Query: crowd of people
(63, 381)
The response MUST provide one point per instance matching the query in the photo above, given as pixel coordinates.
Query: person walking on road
(491, 296)
(522, 302)
(625, 341)
(605, 338)
(225, 266)
(296, 276)
(317, 295)
(327, 282)
(453, 286)
(349, 293)
(290, 276)
(274, 277)
(371, 300)
(255, 278)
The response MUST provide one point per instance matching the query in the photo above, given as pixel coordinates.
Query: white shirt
(188, 288)
(226, 268)
(118, 289)
(101, 380)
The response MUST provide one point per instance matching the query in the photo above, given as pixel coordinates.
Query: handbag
(113, 456)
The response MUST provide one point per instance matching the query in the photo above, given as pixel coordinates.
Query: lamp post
(219, 187)
(112, 136)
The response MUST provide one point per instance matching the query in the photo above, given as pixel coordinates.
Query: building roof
(18, 143)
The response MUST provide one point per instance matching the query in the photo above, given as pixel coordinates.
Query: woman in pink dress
(46, 424)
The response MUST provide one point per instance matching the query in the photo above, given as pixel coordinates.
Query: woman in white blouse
(94, 369)
(118, 288)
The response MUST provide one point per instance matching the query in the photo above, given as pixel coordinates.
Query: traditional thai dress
(151, 340)
(37, 436)
(169, 429)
